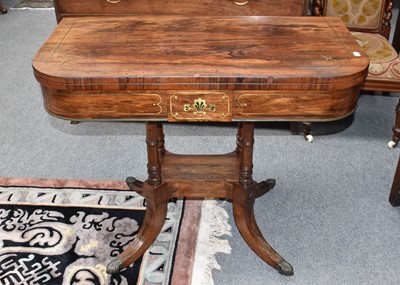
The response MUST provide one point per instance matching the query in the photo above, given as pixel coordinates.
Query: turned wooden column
(246, 159)
(153, 156)
(160, 139)
(239, 138)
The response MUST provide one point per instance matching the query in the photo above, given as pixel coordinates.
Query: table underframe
(227, 176)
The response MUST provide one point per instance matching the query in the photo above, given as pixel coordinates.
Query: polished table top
(176, 68)
(154, 67)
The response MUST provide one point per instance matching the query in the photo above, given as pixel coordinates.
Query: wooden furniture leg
(154, 220)
(226, 176)
(396, 36)
(307, 126)
(396, 129)
(394, 197)
(2, 9)
(243, 198)
(239, 138)
(157, 204)
(160, 139)
(294, 128)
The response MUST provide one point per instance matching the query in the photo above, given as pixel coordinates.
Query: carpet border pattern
(108, 194)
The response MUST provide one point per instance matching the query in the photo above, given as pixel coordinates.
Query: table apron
(200, 105)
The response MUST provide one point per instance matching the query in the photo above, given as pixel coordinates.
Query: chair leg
(394, 197)
(294, 128)
(2, 9)
(396, 128)
(307, 131)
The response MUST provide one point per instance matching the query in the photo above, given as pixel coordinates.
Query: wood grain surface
(306, 61)
(190, 68)
(68, 8)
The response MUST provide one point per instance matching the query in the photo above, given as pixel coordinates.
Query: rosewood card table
(200, 69)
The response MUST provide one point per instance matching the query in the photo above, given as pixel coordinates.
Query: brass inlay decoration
(244, 110)
(156, 103)
(199, 105)
(241, 3)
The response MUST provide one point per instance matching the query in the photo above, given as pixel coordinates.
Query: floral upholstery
(356, 13)
(369, 22)
(384, 60)
(366, 14)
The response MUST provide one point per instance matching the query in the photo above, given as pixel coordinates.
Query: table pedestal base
(227, 176)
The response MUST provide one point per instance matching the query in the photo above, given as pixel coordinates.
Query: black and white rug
(66, 231)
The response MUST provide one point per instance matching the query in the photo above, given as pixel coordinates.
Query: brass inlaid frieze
(244, 99)
(155, 100)
(200, 106)
(288, 104)
(136, 104)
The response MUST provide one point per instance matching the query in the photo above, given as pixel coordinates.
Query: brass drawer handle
(241, 3)
(113, 1)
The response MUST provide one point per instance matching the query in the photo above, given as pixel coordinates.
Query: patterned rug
(56, 232)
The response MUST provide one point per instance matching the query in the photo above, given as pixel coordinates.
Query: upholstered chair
(369, 22)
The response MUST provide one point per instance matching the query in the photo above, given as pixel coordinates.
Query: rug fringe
(214, 224)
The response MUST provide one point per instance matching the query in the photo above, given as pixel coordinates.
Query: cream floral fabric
(384, 60)
(356, 13)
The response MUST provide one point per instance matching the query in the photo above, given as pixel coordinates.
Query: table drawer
(200, 106)
(180, 7)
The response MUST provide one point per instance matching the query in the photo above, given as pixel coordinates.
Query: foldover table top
(254, 63)
(180, 68)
